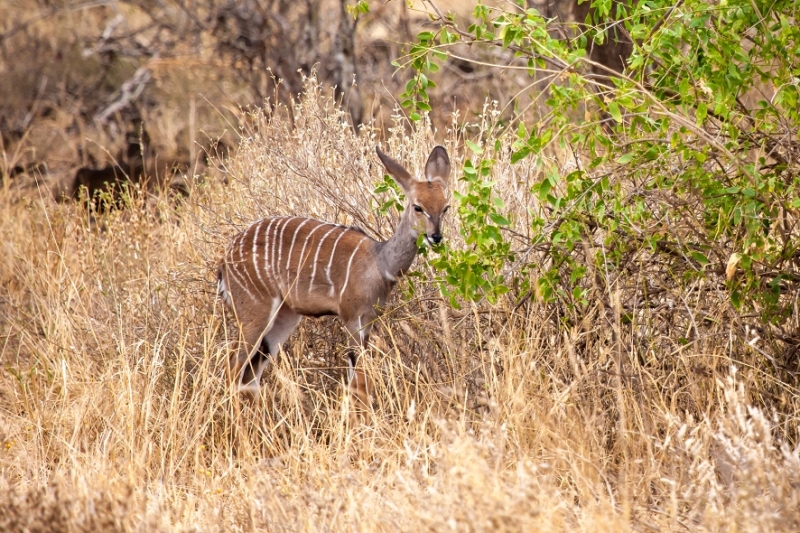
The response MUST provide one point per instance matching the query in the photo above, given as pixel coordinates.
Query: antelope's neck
(396, 255)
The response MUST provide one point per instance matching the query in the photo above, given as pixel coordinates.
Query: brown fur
(615, 50)
(283, 268)
(138, 166)
(107, 182)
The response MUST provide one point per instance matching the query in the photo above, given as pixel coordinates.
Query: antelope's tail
(222, 286)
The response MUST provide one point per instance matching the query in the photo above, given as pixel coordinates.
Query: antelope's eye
(418, 209)
(445, 209)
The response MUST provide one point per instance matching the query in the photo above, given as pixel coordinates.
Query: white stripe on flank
(241, 263)
(316, 257)
(255, 257)
(231, 271)
(349, 264)
(289, 258)
(281, 281)
(268, 249)
(267, 246)
(274, 249)
(300, 261)
(330, 260)
(241, 244)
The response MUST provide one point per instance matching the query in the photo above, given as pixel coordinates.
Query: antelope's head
(426, 201)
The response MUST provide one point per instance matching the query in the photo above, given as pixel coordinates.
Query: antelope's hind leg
(283, 325)
(261, 340)
(254, 353)
(254, 349)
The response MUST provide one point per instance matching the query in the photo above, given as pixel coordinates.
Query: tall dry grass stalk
(114, 413)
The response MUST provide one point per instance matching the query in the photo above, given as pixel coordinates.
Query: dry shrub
(189, 67)
(114, 414)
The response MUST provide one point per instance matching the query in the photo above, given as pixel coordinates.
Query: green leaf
(701, 113)
(700, 258)
(613, 110)
(469, 169)
(625, 159)
(518, 156)
(499, 219)
(476, 148)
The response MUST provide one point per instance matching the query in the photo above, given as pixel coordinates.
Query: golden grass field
(639, 411)
(115, 414)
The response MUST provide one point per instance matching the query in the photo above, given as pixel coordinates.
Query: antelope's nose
(436, 238)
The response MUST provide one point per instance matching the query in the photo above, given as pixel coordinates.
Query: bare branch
(127, 94)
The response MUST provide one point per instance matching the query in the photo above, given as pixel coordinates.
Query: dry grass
(114, 414)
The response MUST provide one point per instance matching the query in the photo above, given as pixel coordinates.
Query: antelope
(111, 179)
(138, 165)
(285, 267)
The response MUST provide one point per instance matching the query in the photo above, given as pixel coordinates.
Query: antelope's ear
(395, 170)
(438, 166)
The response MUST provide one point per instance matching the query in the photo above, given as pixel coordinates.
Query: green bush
(689, 159)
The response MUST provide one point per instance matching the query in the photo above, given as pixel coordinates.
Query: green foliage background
(688, 159)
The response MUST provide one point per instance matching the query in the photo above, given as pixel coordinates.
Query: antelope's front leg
(358, 384)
